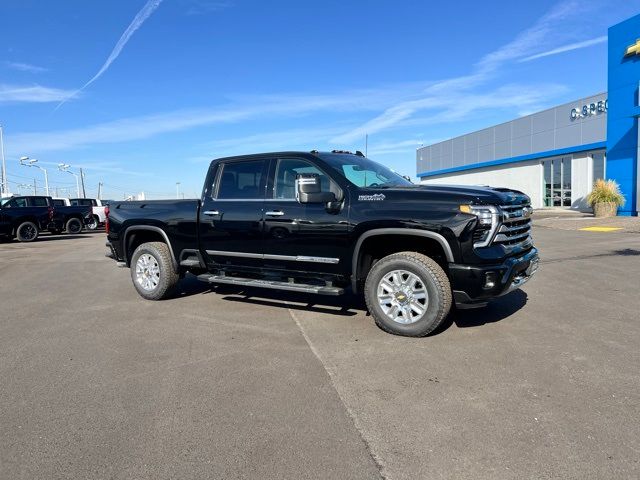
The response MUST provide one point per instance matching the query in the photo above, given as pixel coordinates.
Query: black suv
(324, 222)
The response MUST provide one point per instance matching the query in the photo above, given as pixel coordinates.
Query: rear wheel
(27, 232)
(74, 225)
(93, 223)
(408, 294)
(152, 271)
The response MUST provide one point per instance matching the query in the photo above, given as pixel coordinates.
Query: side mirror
(309, 190)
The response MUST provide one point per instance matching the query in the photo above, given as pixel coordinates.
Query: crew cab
(24, 218)
(329, 222)
(97, 208)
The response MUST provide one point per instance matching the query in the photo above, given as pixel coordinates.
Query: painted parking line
(600, 229)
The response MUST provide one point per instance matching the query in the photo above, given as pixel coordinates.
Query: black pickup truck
(327, 222)
(25, 217)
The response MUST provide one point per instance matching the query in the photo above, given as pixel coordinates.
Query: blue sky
(175, 83)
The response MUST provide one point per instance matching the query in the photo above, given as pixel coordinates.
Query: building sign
(633, 49)
(594, 108)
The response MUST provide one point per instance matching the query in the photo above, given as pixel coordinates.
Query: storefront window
(557, 182)
(599, 166)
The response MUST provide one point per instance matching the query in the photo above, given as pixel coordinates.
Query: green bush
(605, 191)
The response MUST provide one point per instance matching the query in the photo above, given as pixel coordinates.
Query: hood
(482, 195)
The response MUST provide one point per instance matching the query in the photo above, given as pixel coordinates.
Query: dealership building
(554, 156)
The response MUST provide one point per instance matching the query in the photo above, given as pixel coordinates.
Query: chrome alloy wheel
(402, 296)
(147, 272)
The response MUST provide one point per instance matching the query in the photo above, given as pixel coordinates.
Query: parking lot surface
(95, 382)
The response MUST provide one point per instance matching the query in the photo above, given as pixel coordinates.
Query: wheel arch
(137, 235)
(409, 233)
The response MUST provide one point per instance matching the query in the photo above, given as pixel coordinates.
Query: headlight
(488, 218)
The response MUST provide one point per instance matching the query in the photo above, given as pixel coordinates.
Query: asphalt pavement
(97, 383)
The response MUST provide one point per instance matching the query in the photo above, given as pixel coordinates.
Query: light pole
(64, 167)
(31, 162)
(177, 190)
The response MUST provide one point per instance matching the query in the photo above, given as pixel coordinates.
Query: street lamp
(31, 162)
(64, 167)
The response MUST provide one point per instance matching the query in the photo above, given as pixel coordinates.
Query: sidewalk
(572, 220)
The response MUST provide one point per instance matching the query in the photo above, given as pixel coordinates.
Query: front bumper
(474, 286)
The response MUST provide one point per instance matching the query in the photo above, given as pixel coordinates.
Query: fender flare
(150, 228)
(395, 231)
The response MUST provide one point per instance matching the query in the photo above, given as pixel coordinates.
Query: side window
(286, 172)
(39, 202)
(18, 203)
(242, 180)
(74, 202)
(58, 203)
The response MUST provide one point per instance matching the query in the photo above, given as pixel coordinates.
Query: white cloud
(567, 48)
(144, 13)
(25, 67)
(31, 94)
(453, 93)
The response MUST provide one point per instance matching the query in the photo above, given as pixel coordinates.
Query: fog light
(490, 280)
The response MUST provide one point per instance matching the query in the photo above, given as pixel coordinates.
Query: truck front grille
(515, 228)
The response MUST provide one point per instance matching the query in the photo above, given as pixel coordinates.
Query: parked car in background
(24, 218)
(69, 217)
(98, 215)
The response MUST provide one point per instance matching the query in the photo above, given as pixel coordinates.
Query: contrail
(137, 22)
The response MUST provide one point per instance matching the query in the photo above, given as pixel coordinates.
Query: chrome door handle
(275, 213)
(211, 213)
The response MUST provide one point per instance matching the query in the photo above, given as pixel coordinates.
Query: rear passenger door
(303, 237)
(231, 215)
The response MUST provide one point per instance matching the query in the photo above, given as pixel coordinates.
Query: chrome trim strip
(266, 256)
(501, 237)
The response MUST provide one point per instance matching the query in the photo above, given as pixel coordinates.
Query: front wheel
(408, 294)
(152, 271)
(27, 232)
(74, 225)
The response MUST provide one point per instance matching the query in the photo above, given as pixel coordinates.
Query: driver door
(303, 237)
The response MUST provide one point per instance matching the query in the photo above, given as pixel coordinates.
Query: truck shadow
(497, 310)
(349, 305)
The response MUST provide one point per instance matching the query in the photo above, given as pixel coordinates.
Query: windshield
(363, 172)
(4, 200)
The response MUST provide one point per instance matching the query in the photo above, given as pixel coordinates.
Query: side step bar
(252, 282)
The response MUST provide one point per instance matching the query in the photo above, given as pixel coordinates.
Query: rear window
(84, 202)
(39, 202)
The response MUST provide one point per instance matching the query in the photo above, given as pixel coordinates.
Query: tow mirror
(309, 189)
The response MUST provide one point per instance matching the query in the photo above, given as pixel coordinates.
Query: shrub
(605, 191)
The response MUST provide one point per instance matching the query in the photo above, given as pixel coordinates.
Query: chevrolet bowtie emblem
(633, 49)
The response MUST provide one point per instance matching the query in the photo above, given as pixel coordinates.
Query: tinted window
(18, 202)
(58, 203)
(242, 180)
(84, 202)
(286, 173)
(39, 202)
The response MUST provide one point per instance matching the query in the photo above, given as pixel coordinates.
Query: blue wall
(622, 121)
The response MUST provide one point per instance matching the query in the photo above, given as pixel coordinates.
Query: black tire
(27, 232)
(166, 278)
(93, 223)
(431, 278)
(73, 226)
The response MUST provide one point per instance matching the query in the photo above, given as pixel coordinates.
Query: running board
(253, 282)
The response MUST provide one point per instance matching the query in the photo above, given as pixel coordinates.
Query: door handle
(211, 213)
(274, 213)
